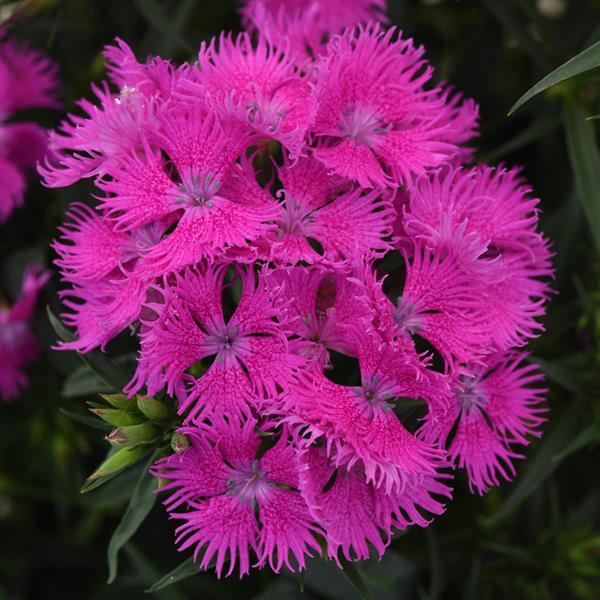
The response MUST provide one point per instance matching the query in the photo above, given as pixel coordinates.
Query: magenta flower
(441, 302)
(87, 146)
(18, 346)
(28, 79)
(322, 219)
(256, 84)
(319, 310)
(291, 201)
(104, 267)
(216, 200)
(376, 123)
(359, 422)
(303, 25)
(251, 360)
(234, 499)
(486, 219)
(355, 514)
(498, 407)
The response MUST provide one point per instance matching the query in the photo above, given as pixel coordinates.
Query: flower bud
(132, 435)
(120, 401)
(179, 443)
(152, 408)
(119, 460)
(117, 417)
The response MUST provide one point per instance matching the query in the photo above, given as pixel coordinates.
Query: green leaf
(148, 572)
(568, 378)
(140, 505)
(83, 382)
(585, 163)
(435, 565)
(589, 435)
(86, 420)
(592, 118)
(584, 61)
(61, 331)
(352, 574)
(538, 129)
(541, 466)
(116, 462)
(186, 569)
(105, 368)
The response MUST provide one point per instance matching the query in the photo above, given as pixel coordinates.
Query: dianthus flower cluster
(28, 79)
(18, 346)
(293, 199)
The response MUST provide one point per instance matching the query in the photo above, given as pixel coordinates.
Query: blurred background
(536, 537)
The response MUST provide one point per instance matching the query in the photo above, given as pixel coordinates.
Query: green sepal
(117, 417)
(133, 435)
(152, 408)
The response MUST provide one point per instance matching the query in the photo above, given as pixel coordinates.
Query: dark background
(536, 537)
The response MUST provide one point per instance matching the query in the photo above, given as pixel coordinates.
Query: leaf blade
(580, 63)
(140, 505)
(105, 368)
(585, 162)
(352, 574)
(186, 569)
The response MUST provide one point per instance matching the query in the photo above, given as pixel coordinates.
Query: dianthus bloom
(279, 208)
(28, 79)
(18, 346)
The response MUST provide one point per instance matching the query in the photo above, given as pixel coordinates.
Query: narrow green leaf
(540, 466)
(140, 505)
(585, 163)
(116, 462)
(83, 382)
(593, 118)
(61, 331)
(148, 572)
(86, 420)
(352, 574)
(589, 435)
(435, 565)
(538, 129)
(186, 569)
(584, 61)
(567, 378)
(105, 368)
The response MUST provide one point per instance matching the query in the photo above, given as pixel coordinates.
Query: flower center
(470, 395)
(376, 393)
(266, 112)
(248, 483)
(362, 123)
(197, 190)
(292, 217)
(406, 315)
(227, 344)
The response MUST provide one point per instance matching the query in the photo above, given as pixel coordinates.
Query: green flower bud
(133, 435)
(179, 443)
(120, 401)
(152, 408)
(119, 460)
(117, 417)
